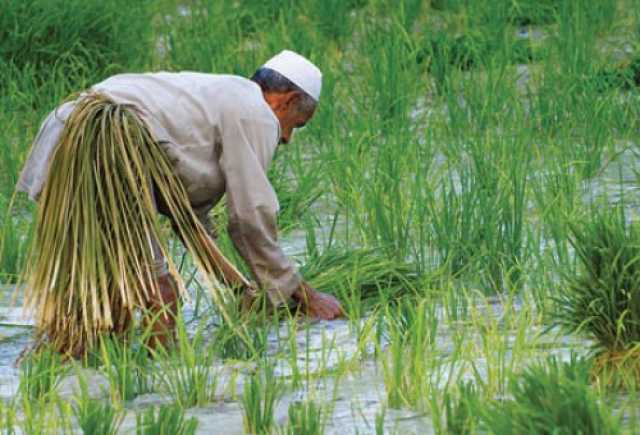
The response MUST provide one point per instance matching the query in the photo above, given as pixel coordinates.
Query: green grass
(305, 418)
(95, 36)
(601, 301)
(40, 373)
(551, 397)
(259, 399)
(447, 174)
(186, 370)
(126, 363)
(167, 420)
(95, 416)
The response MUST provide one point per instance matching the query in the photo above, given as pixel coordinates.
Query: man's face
(293, 119)
(287, 109)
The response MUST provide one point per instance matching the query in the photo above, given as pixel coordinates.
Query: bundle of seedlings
(549, 397)
(602, 299)
(360, 274)
(91, 267)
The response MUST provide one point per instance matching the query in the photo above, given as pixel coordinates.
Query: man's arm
(253, 206)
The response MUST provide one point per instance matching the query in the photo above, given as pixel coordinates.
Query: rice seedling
(40, 373)
(186, 371)
(95, 416)
(305, 418)
(359, 274)
(379, 421)
(126, 365)
(8, 418)
(450, 155)
(414, 369)
(259, 398)
(462, 409)
(40, 417)
(601, 300)
(551, 397)
(168, 420)
(43, 33)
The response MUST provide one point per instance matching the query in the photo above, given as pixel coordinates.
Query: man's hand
(317, 305)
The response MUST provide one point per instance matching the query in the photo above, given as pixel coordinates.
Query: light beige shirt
(220, 135)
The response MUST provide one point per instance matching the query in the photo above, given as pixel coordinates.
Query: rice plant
(462, 409)
(126, 365)
(360, 274)
(259, 399)
(186, 371)
(306, 418)
(8, 418)
(602, 299)
(95, 416)
(42, 33)
(411, 366)
(168, 420)
(551, 397)
(227, 344)
(40, 373)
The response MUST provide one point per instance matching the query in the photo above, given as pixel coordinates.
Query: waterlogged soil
(353, 399)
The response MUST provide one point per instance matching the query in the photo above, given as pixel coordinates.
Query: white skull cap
(299, 70)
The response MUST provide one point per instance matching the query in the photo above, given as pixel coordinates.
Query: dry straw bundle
(91, 263)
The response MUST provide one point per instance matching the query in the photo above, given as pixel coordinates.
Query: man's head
(291, 87)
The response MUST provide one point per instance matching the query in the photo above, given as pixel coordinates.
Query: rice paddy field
(468, 189)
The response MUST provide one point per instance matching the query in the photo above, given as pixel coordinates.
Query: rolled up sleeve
(253, 206)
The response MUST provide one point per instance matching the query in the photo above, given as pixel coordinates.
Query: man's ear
(290, 99)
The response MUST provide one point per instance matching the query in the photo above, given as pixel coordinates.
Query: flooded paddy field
(467, 188)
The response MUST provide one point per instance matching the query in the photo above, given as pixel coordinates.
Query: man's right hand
(317, 305)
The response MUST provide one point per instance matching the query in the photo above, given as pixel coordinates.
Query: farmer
(133, 145)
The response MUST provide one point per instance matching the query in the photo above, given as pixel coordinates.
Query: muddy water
(353, 400)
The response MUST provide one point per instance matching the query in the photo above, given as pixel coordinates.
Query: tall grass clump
(462, 408)
(95, 416)
(76, 33)
(550, 397)
(40, 374)
(601, 300)
(259, 399)
(168, 420)
(126, 366)
(411, 364)
(187, 373)
(306, 418)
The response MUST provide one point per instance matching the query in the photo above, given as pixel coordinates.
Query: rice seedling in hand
(306, 418)
(601, 300)
(259, 398)
(168, 420)
(361, 274)
(40, 373)
(550, 397)
(95, 416)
